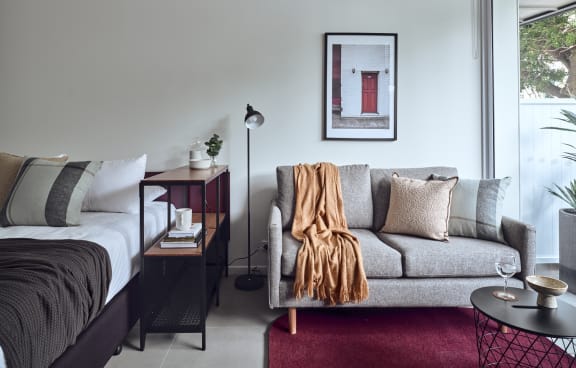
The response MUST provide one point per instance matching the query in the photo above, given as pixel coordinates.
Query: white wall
(112, 79)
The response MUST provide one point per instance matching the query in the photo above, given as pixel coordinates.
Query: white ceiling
(534, 8)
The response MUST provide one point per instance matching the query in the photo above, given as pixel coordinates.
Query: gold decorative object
(548, 289)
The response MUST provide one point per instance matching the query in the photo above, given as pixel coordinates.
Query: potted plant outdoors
(214, 145)
(567, 216)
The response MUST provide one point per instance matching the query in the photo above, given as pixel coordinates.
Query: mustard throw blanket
(329, 260)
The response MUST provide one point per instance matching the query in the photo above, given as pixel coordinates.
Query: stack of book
(183, 238)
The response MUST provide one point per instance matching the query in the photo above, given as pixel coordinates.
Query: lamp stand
(249, 281)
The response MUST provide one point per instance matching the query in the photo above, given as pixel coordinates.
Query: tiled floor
(235, 337)
(236, 334)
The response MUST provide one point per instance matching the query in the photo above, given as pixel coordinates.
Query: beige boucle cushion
(419, 207)
(9, 167)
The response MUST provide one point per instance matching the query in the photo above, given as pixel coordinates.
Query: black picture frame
(360, 86)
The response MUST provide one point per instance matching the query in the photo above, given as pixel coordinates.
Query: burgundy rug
(389, 338)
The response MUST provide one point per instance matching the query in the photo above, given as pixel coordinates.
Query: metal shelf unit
(178, 285)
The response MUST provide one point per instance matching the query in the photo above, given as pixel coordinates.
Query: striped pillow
(10, 165)
(476, 208)
(48, 193)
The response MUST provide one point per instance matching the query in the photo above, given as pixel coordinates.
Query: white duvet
(118, 233)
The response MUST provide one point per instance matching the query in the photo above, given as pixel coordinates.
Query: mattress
(118, 233)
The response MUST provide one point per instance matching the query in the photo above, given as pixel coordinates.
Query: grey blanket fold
(50, 290)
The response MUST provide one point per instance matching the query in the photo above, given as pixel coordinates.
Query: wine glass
(506, 267)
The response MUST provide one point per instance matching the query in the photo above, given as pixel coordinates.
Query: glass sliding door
(548, 86)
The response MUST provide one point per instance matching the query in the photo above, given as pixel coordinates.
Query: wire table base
(509, 347)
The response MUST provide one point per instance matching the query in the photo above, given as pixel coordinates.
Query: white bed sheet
(118, 233)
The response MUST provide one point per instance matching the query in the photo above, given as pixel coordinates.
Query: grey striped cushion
(48, 193)
(10, 165)
(476, 208)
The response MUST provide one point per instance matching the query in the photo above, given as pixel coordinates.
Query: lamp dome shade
(253, 118)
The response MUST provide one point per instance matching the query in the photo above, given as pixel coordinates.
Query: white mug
(184, 218)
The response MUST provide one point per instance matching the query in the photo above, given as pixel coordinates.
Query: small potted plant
(567, 216)
(214, 145)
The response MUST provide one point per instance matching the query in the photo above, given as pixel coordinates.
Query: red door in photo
(369, 92)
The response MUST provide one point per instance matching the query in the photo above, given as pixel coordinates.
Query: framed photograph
(360, 72)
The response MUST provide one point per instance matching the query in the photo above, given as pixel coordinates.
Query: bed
(75, 209)
(118, 233)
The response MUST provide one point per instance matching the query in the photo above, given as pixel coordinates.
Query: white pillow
(153, 192)
(115, 186)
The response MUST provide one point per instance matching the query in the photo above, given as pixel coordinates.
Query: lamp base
(249, 282)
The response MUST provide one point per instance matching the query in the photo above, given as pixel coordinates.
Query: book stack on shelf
(183, 238)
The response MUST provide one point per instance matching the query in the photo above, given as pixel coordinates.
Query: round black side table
(521, 334)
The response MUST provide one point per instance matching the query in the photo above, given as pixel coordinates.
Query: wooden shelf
(155, 250)
(187, 175)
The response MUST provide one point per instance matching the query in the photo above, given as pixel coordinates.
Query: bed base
(103, 337)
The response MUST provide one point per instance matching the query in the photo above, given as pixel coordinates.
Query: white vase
(567, 240)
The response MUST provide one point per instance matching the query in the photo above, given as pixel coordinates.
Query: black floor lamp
(249, 281)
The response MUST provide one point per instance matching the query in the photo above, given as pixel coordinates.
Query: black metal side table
(520, 334)
(177, 285)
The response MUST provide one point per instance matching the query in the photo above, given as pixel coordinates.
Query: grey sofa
(402, 270)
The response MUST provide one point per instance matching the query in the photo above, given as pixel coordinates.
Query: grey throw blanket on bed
(49, 291)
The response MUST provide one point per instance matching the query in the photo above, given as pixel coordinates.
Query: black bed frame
(100, 340)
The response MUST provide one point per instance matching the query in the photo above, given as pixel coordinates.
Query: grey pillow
(10, 165)
(476, 208)
(48, 193)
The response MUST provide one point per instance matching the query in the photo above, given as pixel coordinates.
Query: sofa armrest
(522, 237)
(274, 255)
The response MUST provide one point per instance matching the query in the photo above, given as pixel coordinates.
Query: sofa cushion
(476, 208)
(356, 195)
(379, 260)
(459, 257)
(419, 207)
(381, 181)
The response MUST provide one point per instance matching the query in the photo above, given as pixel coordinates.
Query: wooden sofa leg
(292, 320)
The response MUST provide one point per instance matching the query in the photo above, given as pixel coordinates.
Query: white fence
(542, 166)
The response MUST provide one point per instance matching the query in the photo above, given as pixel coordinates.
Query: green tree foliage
(545, 46)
